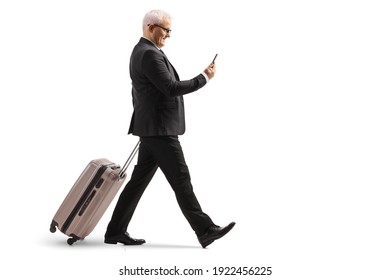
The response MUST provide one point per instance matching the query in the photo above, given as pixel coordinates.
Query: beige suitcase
(89, 198)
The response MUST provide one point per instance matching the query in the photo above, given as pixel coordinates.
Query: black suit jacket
(157, 92)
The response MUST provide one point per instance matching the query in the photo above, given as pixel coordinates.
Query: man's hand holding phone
(211, 69)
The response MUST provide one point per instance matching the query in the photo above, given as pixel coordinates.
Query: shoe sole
(110, 242)
(124, 243)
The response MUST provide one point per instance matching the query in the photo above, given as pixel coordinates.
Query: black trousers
(164, 152)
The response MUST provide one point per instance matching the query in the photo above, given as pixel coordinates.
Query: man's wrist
(206, 77)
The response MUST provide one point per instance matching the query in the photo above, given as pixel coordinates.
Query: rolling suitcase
(90, 197)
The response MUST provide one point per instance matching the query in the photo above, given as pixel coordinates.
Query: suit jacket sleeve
(157, 71)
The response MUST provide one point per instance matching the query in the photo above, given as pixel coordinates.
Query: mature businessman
(158, 119)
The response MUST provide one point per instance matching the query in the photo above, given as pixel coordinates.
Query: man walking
(158, 119)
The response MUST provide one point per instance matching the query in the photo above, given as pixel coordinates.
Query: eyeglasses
(167, 30)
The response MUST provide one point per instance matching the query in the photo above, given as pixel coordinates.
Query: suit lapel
(172, 69)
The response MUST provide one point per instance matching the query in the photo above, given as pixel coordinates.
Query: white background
(290, 139)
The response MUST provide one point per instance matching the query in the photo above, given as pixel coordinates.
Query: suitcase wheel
(72, 239)
(53, 226)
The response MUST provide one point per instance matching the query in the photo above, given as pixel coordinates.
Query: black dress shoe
(213, 233)
(123, 238)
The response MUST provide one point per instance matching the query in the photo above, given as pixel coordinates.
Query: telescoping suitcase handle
(128, 161)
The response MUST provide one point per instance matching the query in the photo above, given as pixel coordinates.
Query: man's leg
(142, 175)
(168, 154)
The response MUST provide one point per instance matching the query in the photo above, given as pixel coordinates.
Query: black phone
(214, 58)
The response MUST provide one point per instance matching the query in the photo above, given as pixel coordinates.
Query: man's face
(160, 32)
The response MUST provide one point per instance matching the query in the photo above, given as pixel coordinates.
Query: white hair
(154, 17)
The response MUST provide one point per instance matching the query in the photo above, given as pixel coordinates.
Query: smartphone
(214, 58)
